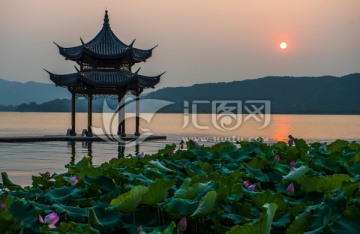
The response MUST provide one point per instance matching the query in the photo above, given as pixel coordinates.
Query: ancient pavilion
(105, 70)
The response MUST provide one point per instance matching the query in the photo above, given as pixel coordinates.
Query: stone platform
(129, 137)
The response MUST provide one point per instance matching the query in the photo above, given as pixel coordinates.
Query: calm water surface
(21, 160)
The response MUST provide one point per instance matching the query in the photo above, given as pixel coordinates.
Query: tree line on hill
(288, 95)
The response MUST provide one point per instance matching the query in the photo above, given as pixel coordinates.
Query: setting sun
(283, 45)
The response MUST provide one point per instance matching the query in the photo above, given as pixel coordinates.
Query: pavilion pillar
(137, 120)
(73, 132)
(121, 116)
(89, 131)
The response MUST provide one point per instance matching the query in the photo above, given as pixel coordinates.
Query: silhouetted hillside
(16, 93)
(288, 95)
(319, 95)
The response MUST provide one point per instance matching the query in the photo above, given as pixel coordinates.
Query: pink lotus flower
(246, 183)
(50, 219)
(139, 229)
(74, 180)
(182, 224)
(252, 187)
(141, 155)
(292, 163)
(2, 206)
(47, 174)
(277, 158)
(290, 189)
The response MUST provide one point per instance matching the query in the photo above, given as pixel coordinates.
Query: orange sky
(199, 41)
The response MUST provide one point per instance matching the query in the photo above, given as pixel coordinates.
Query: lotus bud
(47, 174)
(141, 155)
(246, 183)
(277, 158)
(74, 180)
(252, 187)
(139, 229)
(50, 219)
(2, 206)
(182, 225)
(292, 163)
(291, 141)
(290, 189)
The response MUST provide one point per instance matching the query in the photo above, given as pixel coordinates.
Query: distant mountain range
(288, 95)
(16, 93)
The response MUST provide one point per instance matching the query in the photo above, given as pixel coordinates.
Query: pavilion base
(128, 137)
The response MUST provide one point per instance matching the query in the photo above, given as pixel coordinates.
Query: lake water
(21, 160)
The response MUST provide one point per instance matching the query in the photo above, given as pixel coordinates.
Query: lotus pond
(248, 187)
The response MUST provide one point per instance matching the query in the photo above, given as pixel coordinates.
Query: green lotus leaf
(296, 173)
(291, 153)
(322, 184)
(93, 219)
(283, 221)
(25, 213)
(66, 193)
(72, 227)
(159, 166)
(8, 183)
(356, 158)
(354, 146)
(337, 146)
(128, 201)
(167, 150)
(268, 197)
(257, 174)
(110, 221)
(328, 163)
(158, 191)
(248, 228)
(280, 145)
(179, 207)
(206, 205)
(155, 231)
(83, 168)
(192, 145)
(83, 163)
(170, 229)
(355, 168)
(300, 224)
(99, 182)
(5, 214)
(235, 218)
(282, 168)
(270, 213)
(301, 145)
(195, 191)
(76, 213)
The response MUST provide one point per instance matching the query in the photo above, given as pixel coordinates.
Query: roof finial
(106, 19)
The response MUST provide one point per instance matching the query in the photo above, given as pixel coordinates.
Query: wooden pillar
(121, 115)
(121, 150)
(137, 121)
(73, 132)
(90, 97)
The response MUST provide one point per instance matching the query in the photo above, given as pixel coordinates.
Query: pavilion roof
(105, 45)
(105, 79)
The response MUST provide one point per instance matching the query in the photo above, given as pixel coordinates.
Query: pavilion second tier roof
(106, 45)
(105, 79)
